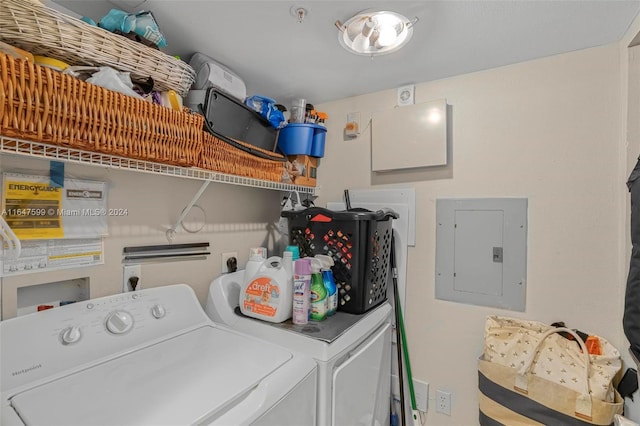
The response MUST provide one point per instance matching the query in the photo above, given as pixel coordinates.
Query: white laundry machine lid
(187, 379)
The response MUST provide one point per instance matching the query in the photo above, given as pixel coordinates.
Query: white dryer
(353, 353)
(150, 357)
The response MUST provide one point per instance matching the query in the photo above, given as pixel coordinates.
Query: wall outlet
(229, 262)
(443, 402)
(421, 392)
(131, 272)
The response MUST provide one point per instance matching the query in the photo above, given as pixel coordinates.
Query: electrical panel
(481, 251)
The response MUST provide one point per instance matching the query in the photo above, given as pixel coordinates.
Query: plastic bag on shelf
(114, 80)
(142, 23)
(267, 108)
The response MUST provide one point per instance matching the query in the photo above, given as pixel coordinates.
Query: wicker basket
(43, 31)
(220, 156)
(43, 105)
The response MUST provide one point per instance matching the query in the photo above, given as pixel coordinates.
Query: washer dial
(119, 322)
(71, 335)
(158, 311)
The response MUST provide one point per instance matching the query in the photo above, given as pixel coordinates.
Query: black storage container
(358, 240)
(233, 119)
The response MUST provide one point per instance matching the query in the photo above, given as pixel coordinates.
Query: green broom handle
(405, 351)
(405, 348)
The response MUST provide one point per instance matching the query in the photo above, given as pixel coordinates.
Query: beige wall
(236, 219)
(548, 130)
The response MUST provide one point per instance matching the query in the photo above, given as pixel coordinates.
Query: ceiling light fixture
(372, 33)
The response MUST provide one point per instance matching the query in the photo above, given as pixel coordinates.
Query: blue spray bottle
(329, 283)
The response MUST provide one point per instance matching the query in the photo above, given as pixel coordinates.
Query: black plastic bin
(358, 240)
(233, 119)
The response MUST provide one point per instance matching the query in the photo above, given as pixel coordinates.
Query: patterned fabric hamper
(532, 373)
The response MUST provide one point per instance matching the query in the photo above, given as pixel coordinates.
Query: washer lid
(183, 380)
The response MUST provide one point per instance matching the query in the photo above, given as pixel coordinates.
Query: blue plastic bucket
(317, 147)
(296, 139)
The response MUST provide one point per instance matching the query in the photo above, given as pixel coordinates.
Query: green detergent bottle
(329, 283)
(318, 309)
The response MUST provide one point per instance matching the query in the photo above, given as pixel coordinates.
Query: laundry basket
(30, 25)
(43, 105)
(358, 240)
(219, 156)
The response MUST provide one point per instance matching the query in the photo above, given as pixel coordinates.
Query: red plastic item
(44, 307)
(593, 345)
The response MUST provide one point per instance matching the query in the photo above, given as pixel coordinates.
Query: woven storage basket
(220, 156)
(30, 25)
(43, 105)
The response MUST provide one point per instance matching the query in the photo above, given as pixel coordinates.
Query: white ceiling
(280, 58)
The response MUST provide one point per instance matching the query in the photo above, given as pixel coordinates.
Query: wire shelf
(52, 152)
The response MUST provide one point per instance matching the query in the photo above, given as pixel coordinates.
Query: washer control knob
(158, 311)
(71, 335)
(119, 322)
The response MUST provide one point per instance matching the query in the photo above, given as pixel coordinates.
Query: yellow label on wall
(32, 209)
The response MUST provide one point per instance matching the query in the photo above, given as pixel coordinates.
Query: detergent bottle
(329, 283)
(287, 263)
(268, 294)
(301, 291)
(295, 251)
(318, 292)
(257, 256)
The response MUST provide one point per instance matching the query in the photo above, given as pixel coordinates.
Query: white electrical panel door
(477, 236)
(409, 137)
(481, 251)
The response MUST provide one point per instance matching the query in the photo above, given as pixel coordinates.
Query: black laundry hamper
(358, 241)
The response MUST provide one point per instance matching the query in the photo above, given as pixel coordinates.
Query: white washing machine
(150, 357)
(353, 353)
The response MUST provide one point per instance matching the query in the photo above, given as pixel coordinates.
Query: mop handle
(400, 325)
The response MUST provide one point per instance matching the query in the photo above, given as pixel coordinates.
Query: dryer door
(362, 384)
